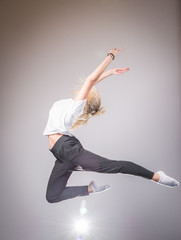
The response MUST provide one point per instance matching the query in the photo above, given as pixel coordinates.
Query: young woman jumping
(68, 114)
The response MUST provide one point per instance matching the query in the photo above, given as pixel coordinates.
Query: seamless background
(45, 47)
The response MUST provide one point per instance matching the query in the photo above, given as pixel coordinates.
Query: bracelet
(112, 55)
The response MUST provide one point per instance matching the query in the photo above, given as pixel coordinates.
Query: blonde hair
(92, 107)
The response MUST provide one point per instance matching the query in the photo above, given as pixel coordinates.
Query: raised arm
(95, 77)
(111, 72)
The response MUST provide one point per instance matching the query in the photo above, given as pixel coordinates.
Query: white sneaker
(166, 180)
(98, 189)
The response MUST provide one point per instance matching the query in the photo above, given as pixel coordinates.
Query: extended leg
(90, 161)
(57, 190)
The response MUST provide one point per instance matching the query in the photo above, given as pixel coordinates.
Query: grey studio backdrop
(45, 47)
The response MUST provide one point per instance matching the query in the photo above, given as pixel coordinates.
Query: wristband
(112, 55)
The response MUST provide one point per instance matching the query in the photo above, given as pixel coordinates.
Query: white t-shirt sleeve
(75, 111)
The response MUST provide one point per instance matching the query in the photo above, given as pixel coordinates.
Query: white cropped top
(62, 116)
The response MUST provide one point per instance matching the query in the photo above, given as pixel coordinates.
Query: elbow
(91, 79)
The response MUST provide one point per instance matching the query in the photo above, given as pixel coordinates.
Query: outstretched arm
(95, 77)
(111, 72)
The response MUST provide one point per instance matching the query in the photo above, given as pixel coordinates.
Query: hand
(115, 51)
(119, 70)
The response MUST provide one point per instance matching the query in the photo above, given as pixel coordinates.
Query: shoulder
(78, 104)
(68, 104)
(75, 101)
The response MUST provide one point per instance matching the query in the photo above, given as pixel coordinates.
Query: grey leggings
(71, 156)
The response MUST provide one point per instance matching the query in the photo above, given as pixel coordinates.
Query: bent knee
(49, 199)
(52, 199)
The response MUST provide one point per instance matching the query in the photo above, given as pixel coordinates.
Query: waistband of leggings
(60, 140)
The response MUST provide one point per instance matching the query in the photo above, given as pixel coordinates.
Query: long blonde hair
(92, 107)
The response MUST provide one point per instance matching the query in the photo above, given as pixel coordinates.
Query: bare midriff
(53, 138)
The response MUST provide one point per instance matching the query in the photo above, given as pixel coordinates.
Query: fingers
(115, 51)
(120, 70)
(121, 49)
(123, 69)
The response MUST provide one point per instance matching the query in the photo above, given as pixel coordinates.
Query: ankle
(156, 177)
(90, 190)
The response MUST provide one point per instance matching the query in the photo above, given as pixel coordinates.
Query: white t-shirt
(62, 116)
